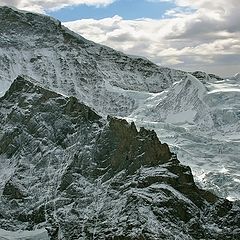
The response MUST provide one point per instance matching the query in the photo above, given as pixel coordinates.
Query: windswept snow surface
(201, 122)
(4, 86)
(39, 234)
(199, 116)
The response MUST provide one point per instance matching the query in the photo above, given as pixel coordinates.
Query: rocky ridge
(40, 47)
(112, 83)
(66, 169)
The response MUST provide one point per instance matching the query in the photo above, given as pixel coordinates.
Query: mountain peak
(23, 84)
(237, 76)
(69, 170)
(10, 10)
(33, 30)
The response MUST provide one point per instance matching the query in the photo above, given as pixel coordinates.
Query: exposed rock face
(12, 191)
(196, 118)
(204, 77)
(65, 168)
(40, 47)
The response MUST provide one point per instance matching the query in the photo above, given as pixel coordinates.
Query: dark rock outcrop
(84, 177)
(12, 191)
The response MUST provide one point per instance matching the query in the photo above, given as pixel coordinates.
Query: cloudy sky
(183, 34)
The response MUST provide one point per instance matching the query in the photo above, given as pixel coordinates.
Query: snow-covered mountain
(79, 176)
(41, 48)
(198, 106)
(197, 114)
(203, 106)
(236, 77)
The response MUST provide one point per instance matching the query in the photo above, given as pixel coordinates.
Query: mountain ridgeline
(40, 47)
(84, 177)
(71, 168)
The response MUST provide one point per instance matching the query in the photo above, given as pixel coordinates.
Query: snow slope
(80, 176)
(197, 113)
(202, 124)
(72, 65)
(4, 87)
(39, 234)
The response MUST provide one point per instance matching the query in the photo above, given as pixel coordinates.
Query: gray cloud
(206, 36)
(194, 35)
(42, 5)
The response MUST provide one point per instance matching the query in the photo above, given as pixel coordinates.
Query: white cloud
(206, 4)
(41, 6)
(206, 37)
(196, 34)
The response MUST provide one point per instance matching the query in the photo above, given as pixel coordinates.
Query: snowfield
(196, 113)
(204, 130)
(39, 234)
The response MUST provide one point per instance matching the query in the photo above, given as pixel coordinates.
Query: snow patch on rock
(38, 234)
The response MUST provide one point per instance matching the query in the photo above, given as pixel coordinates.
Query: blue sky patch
(128, 9)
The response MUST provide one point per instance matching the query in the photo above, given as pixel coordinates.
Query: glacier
(196, 113)
(39, 234)
(68, 173)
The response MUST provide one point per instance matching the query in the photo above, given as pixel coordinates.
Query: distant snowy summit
(107, 80)
(236, 77)
(68, 173)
